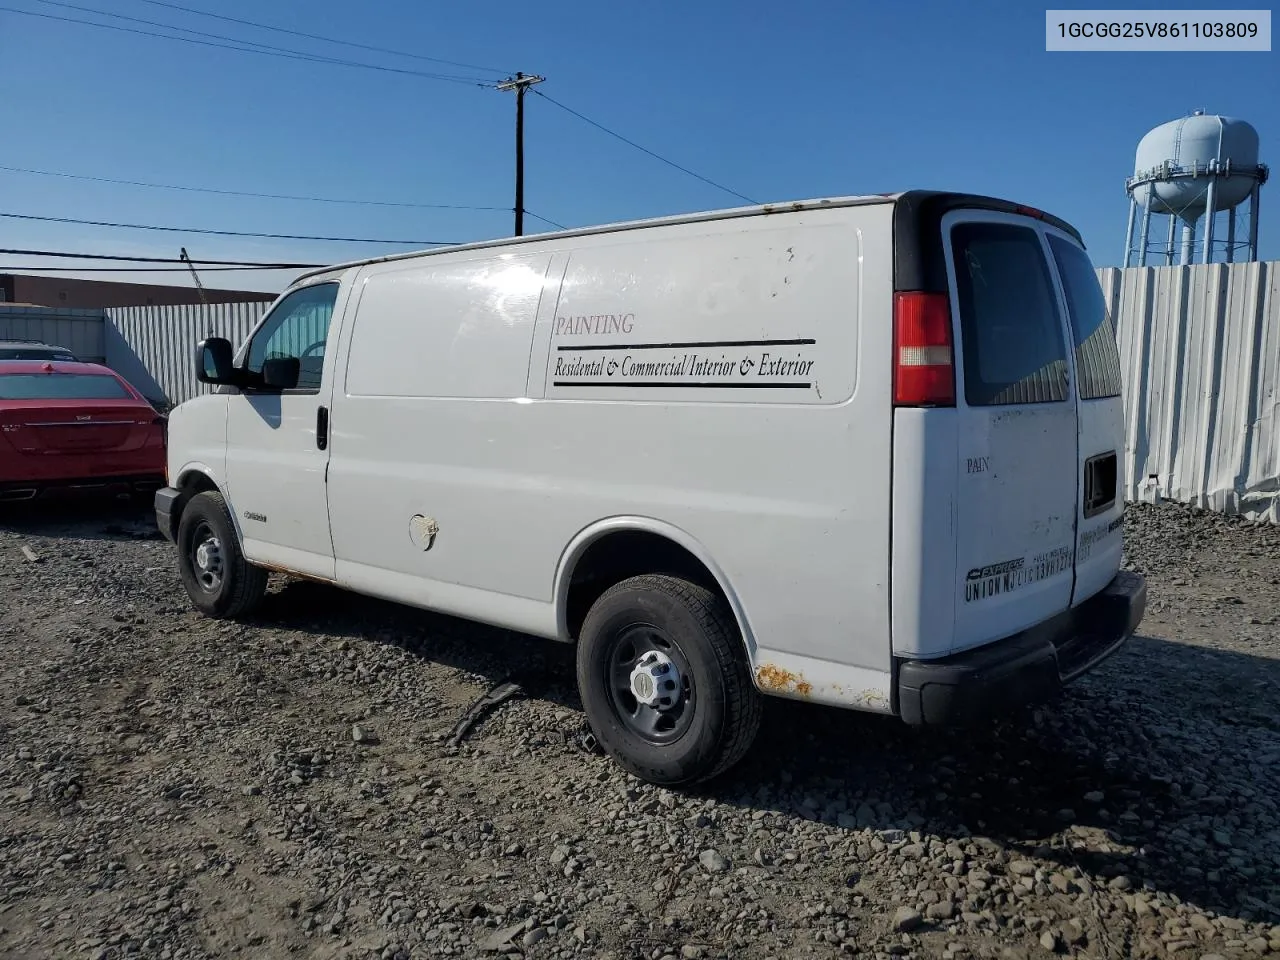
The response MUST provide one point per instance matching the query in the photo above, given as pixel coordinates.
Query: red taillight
(924, 368)
(1029, 212)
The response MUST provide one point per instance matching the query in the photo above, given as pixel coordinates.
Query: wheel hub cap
(655, 681)
(207, 556)
(208, 562)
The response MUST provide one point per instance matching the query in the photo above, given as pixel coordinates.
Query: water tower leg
(1146, 233)
(1208, 223)
(1128, 236)
(1253, 221)
(1188, 242)
(1169, 247)
(1231, 235)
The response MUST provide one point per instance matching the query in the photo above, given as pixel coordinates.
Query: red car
(75, 426)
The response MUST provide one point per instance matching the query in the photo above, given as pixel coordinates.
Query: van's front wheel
(220, 581)
(664, 681)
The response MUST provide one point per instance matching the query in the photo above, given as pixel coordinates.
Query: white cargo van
(860, 452)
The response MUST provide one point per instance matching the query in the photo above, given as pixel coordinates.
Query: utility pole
(519, 83)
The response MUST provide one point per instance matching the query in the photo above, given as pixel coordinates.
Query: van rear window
(61, 386)
(1012, 332)
(1097, 357)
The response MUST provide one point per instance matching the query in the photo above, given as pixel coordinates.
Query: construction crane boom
(194, 276)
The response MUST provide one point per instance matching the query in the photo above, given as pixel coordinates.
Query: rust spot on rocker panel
(294, 573)
(771, 677)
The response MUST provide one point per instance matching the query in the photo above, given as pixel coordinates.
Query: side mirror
(281, 373)
(214, 361)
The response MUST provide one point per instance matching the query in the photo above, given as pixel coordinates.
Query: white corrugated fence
(1201, 355)
(80, 331)
(154, 347)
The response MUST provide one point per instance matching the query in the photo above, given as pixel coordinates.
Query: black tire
(703, 642)
(239, 586)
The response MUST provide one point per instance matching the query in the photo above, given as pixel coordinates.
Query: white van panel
(925, 527)
(787, 488)
(201, 427)
(452, 328)
(762, 314)
(403, 462)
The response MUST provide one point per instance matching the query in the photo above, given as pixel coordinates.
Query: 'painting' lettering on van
(596, 325)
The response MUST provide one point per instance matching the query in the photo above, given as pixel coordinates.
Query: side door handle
(322, 427)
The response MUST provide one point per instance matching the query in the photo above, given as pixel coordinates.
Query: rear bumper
(166, 504)
(1028, 667)
(14, 490)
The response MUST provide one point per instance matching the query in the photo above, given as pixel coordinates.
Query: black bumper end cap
(166, 499)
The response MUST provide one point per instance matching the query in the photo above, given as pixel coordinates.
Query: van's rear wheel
(664, 681)
(220, 581)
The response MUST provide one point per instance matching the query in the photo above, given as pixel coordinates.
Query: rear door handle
(322, 427)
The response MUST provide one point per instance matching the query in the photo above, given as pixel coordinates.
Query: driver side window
(298, 327)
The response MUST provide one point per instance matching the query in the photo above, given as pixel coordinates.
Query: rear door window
(61, 386)
(1014, 351)
(1097, 357)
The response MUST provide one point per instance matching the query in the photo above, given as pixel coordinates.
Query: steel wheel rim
(207, 562)
(657, 725)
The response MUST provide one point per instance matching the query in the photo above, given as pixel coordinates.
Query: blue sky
(776, 101)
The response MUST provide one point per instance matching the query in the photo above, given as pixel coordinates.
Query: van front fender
(192, 478)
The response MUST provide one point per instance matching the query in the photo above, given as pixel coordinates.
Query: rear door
(1017, 427)
(1100, 417)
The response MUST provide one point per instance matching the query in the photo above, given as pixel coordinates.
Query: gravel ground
(176, 787)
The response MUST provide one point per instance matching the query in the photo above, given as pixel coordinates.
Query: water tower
(1197, 166)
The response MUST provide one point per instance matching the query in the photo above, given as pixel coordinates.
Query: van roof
(919, 204)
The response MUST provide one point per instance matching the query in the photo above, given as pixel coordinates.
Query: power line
(280, 52)
(274, 196)
(224, 233)
(250, 46)
(313, 36)
(264, 47)
(165, 26)
(656, 156)
(259, 196)
(9, 268)
(58, 254)
(535, 216)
